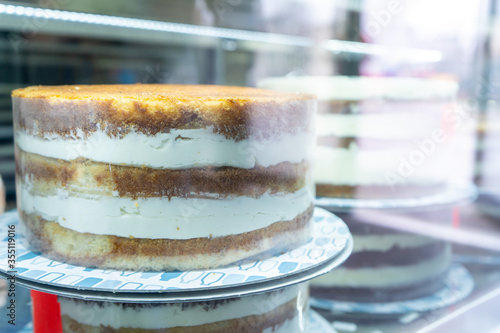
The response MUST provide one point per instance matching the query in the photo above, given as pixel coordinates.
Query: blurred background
(239, 42)
(236, 42)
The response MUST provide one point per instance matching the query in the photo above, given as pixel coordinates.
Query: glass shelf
(32, 20)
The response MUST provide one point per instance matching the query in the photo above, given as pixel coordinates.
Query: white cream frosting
(386, 276)
(177, 149)
(390, 125)
(414, 162)
(391, 167)
(174, 315)
(358, 88)
(177, 218)
(385, 242)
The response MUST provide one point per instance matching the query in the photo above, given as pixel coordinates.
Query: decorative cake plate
(452, 195)
(330, 245)
(458, 285)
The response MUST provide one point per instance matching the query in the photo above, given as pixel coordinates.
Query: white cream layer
(173, 315)
(355, 166)
(385, 242)
(390, 125)
(359, 88)
(178, 149)
(177, 218)
(386, 276)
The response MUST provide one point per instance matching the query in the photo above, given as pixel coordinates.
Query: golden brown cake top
(236, 112)
(158, 92)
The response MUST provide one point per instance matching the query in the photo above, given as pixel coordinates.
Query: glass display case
(393, 78)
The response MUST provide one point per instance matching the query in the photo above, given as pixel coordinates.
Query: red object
(46, 313)
(456, 217)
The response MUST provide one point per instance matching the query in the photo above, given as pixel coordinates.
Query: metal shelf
(55, 22)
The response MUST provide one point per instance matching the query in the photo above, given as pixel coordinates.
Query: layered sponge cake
(380, 138)
(163, 177)
(386, 265)
(280, 311)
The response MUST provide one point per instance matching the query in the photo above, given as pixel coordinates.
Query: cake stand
(458, 285)
(330, 245)
(451, 195)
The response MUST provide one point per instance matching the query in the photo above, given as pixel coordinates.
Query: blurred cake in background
(386, 265)
(382, 137)
(488, 160)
